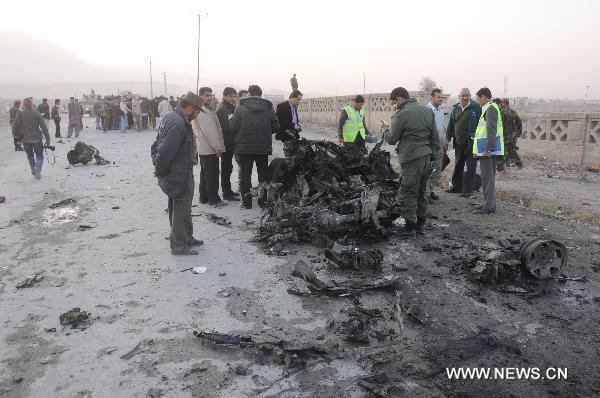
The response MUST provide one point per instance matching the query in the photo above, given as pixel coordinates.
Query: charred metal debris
(84, 153)
(322, 191)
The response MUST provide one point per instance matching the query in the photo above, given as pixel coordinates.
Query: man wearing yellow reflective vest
(488, 143)
(352, 128)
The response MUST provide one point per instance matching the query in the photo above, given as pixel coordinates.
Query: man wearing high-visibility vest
(352, 128)
(488, 143)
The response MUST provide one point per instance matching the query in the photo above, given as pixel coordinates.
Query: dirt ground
(121, 272)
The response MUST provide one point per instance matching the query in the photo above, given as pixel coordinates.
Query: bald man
(461, 130)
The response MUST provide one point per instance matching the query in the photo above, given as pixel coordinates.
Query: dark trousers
(35, 154)
(358, 143)
(246, 162)
(209, 179)
(226, 170)
(511, 154)
(488, 182)
(463, 156)
(57, 124)
(104, 123)
(414, 177)
(180, 218)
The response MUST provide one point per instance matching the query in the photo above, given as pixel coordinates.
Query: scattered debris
(564, 278)
(62, 203)
(220, 220)
(30, 280)
(84, 153)
(74, 316)
(138, 349)
(2, 199)
(349, 288)
(543, 259)
(224, 339)
(199, 270)
(223, 274)
(50, 330)
(372, 384)
(352, 256)
(83, 227)
(115, 208)
(417, 313)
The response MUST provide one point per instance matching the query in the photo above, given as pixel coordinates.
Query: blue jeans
(98, 122)
(34, 161)
(124, 124)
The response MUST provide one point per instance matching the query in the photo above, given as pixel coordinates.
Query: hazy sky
(546, 48)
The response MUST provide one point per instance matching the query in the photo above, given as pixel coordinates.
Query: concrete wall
(568, 137)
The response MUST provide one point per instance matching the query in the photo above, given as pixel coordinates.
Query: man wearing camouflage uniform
(413, 128)
(510, 139)
(507, 125)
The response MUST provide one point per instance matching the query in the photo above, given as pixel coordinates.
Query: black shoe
(420, 227)
(246, 201)
(484, 211)
(519, 165)
(203, 202)
(500, 168)
(195, 242)
(466, 194)
(453, 190)
(433, 195)
(408, 232)
(231, 197)
(185, 252)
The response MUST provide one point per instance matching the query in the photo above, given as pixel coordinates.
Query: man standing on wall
(488, 143)
(461, 130)
(225, 113)
(435, 104)
(352, 127)
(413, 129)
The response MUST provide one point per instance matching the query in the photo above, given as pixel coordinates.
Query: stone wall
(568, 137)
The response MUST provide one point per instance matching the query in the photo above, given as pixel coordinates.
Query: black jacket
(224, 113)
(174, 153)
(284, 115)
(253, 123)
(44, 109)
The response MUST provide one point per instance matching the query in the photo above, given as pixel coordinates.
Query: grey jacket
(29, 126)
(74, 113)
(253, 123)
(174, 153)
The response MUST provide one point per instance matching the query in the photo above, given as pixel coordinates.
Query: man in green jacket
(413, 129)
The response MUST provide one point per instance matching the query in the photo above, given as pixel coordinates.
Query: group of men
(477, 133)
(241, 128)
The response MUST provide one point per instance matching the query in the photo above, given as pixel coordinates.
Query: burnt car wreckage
(321, 190)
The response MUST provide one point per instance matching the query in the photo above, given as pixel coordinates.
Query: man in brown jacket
(211, 146)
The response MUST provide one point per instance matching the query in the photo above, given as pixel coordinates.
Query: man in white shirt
(435, 104)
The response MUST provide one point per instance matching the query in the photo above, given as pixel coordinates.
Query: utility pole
(364, 83)
(587, 89)
(151, 89)
(198, 60)
(165, 80)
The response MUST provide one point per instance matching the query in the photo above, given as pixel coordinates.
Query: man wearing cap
(413, 129)
(174, 155)
(352, 127)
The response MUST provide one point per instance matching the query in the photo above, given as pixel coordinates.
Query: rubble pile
(84, 153)
(322, 190)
